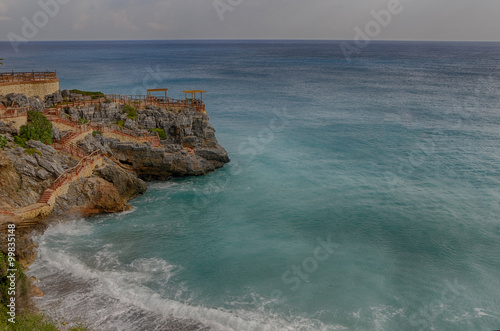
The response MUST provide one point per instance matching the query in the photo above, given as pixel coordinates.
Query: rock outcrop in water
(185, 130)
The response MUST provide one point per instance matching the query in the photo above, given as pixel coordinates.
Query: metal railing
(5, 212)
(76, 170)
(16, 77)
(69, 148)
(14, 112)
(59, 116)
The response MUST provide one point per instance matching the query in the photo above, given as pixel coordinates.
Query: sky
(472, 20)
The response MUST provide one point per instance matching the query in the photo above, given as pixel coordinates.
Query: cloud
(198, 19)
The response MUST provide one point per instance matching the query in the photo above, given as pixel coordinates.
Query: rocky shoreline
(188, 147)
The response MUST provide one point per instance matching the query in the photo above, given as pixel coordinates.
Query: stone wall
(30, 89)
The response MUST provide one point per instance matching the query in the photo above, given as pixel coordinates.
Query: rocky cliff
(188, 148)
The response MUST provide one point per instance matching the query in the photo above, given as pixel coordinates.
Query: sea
(363, 192)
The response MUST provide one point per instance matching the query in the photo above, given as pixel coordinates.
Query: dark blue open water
(362, 195)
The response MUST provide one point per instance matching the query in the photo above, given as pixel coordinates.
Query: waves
(112, 296)
(394, 156)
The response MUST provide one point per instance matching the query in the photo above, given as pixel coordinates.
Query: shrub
(107, 101)
(161, 133)
(31, 151)
(3, 142)
(130, 111)
(38, 128)
(120, 123)
(94, 95)
(95, 133)
(20, 141)
(83, 121)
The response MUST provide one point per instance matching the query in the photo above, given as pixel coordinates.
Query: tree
(1, 63)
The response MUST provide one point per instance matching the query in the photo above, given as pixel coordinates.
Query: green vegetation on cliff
(130, 111)
(38, 128)
(161, 133)
(3, 142)
(20, 142)
(94, 95)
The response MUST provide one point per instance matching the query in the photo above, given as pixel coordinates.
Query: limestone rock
(36, 291)
(90, 196)
(56, 134)
(53, 99)
(24, 177)
(127, 183)
(45, 149)
(20, 100)
(7, 128)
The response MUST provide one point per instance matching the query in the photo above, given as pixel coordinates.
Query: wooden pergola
(157, 90)
(193, 94)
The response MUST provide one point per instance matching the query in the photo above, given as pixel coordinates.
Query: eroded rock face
(127, 183)
(106, 192)
(24, 177)
(20, 100)
(7, 128)
(190, 148)
(184, 129)
(90, 196)
(10, 181)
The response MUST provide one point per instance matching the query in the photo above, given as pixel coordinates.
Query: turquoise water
(361, 195)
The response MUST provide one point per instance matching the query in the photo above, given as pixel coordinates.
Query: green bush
(83, 121)
(38, 128)
(120, 123)
(107, 101)
(3, 142)
(20, 141)
(161, 133)
(130, 111)
(94, 95)
(95, 133)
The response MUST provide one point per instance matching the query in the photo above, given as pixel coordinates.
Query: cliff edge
(100, 155)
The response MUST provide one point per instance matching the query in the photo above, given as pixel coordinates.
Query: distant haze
(249, 19)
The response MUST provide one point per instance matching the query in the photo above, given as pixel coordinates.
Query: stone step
(47, 194)
(28, 208)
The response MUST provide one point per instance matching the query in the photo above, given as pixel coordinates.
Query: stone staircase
(55, 115)
(59, 186)
(66, 144)
(46, 195)
(155, 141)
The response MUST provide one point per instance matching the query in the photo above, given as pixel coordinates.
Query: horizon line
(259, 39)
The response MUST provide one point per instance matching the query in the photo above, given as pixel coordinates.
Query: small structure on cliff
(150, 92)
(193, 100)
(29, 83)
